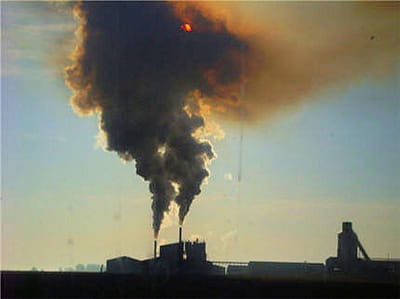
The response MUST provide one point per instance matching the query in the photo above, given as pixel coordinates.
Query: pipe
(180, 247)
(364, 253)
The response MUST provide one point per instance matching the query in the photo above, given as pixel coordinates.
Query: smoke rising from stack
(150, 81)
(136, 67)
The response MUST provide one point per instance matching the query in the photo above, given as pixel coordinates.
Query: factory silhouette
(181, 269)
(185, 257)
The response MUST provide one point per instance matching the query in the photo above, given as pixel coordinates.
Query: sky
(64, 200)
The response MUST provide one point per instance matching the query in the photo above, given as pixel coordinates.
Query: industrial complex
(181, 269)
(185, 257)
(181, 257)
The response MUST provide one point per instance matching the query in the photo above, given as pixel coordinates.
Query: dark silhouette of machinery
(348, 261)
(190, 258)
(348, 246)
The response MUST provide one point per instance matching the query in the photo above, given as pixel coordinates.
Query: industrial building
(347, 260)
(190, 258)
(124, 264)
(276, 269)
(176, 258)
(181, 270)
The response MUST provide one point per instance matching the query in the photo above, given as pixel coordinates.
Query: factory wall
(276, 269)
(283, 269)
(124, 264)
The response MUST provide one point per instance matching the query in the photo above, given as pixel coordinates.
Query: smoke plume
(298, 51)
(151, 80)
(136, 66)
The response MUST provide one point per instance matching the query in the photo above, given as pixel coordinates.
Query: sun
(186, 27)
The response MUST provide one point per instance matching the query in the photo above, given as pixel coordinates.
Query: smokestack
(180, 247)
(155, 249)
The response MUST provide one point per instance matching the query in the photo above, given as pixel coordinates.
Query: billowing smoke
(301, 50)
(136, 66)
(151, 81)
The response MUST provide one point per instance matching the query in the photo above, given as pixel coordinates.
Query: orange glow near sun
(186, 27)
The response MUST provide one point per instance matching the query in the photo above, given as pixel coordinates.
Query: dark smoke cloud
(136, 68)
(298, 51)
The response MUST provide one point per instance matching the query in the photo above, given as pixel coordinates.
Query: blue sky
(331, 159)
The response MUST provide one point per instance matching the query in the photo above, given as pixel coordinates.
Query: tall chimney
(180, 247)
(155, 249)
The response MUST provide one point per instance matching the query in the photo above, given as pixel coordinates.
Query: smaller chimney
(155, 249)
(347, 227)
(180, 248)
